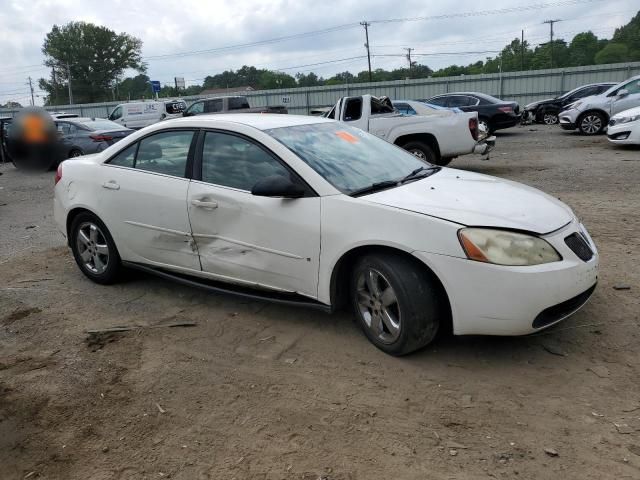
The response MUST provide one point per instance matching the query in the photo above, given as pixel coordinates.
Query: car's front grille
(579, 246)
(562, 310)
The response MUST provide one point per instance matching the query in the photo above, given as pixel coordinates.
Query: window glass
(440, 101)
(165, 153)
(232, 161)
(404, 108)
(461, 101)
(632, 87)
(126, 157)
(347, 157)
(117, 113)
(214, 105)
(236, 103)
(196, 108)
(353, 109)
(66, 128)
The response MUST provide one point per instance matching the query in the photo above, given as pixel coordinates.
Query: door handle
(111, 185)
(204, 204)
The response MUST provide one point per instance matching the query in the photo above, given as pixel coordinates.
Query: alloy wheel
(591, 124)
(550, 119)
(378, 305)
(92, 248)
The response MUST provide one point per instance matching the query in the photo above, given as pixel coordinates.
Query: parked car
(82, 136)
(624, 127)
(493, 113)
(319, 111)
(546, 111)
(138, 115)
(308, 211)
(437, 138)
(61, 115)
(231, 104)
(414, 107)
(591, 114)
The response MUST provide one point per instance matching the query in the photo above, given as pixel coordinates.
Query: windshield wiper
(374, 187)
(420, 172)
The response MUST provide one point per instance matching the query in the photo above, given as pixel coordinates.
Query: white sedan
(624, 127)
(309, 211)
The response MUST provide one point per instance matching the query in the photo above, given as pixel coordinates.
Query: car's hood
(539, 102)
(628, 113)
(473, 199)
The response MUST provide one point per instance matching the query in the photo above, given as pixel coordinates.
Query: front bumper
(491, 299)
(485, 145)
(624, 133)
(569, 119)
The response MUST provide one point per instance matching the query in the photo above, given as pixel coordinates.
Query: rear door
(247, 239)
(144, 200)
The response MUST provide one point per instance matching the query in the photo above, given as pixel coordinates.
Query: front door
(144, 197)
(247, 239)
(631, 100)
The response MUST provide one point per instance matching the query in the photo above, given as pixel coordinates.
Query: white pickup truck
(437, 138)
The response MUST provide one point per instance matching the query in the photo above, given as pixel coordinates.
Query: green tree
(583, 49)
(309, 80)
(133, 88)
(629, 35)
(613, 53)
(94, 55)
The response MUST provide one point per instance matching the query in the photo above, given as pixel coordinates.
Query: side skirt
(292, 299)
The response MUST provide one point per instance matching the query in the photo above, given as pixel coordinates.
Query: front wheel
(549, 118)
(93, 249)
(591, 123)
(397, 304)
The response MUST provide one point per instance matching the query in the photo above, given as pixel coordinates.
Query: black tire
(487, 123)
(443, 162)
(591, 123)
(422, 151)
(418, 308)
(107, 267)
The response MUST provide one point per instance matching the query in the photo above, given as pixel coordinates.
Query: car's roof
(261, 121)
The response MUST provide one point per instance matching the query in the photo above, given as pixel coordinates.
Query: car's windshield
(100, 124)
(347, 157)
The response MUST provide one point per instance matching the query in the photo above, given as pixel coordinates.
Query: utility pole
(522, 52)
(31, 88)
(551, 22)
(409, 57)
(69, 80)
(366, 24)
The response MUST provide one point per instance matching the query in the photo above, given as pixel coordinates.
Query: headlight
(632, 118)
(503, 247)
(574, 105)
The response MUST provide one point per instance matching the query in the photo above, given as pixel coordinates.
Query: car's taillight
(101, 138)
(506, 109)
(473, 127)
(58, 174)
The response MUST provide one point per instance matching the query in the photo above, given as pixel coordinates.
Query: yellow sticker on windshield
(347, 137)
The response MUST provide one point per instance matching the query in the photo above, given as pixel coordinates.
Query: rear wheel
(484, 125)
(549, 118)
(591, 123)
(397, 304)
(422, 151)
(93, 249)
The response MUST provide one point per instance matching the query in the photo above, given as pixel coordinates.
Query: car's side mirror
(277, 186)
(623, 93)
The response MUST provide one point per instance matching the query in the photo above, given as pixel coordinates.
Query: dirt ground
(259, 391)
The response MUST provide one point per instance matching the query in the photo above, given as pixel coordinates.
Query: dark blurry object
(32, 140)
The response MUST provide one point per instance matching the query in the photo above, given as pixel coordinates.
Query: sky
(441, 32)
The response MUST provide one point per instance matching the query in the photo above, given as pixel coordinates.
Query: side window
(196, 108)
(66, 128)
(632, 87)
(440, 101)
(353, 109)
(126, 158)
(116, 114)
(165, 153)
(332, 113)
(402, 107)
(232, 161)
(461, 101)
(236, 103)
(214, 105)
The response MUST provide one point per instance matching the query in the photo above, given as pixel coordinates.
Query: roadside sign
(179, 81)
(155, 86)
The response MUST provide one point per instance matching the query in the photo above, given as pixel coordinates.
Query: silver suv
(590, 115)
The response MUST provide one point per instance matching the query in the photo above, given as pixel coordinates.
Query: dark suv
(546, 111)
(493, 113)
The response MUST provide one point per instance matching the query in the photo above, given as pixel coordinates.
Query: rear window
(237, 103)
(175, 107)
(101, 124)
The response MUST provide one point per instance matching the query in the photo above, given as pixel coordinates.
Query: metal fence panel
(522, 87)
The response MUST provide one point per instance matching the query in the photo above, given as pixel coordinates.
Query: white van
(141, 114)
